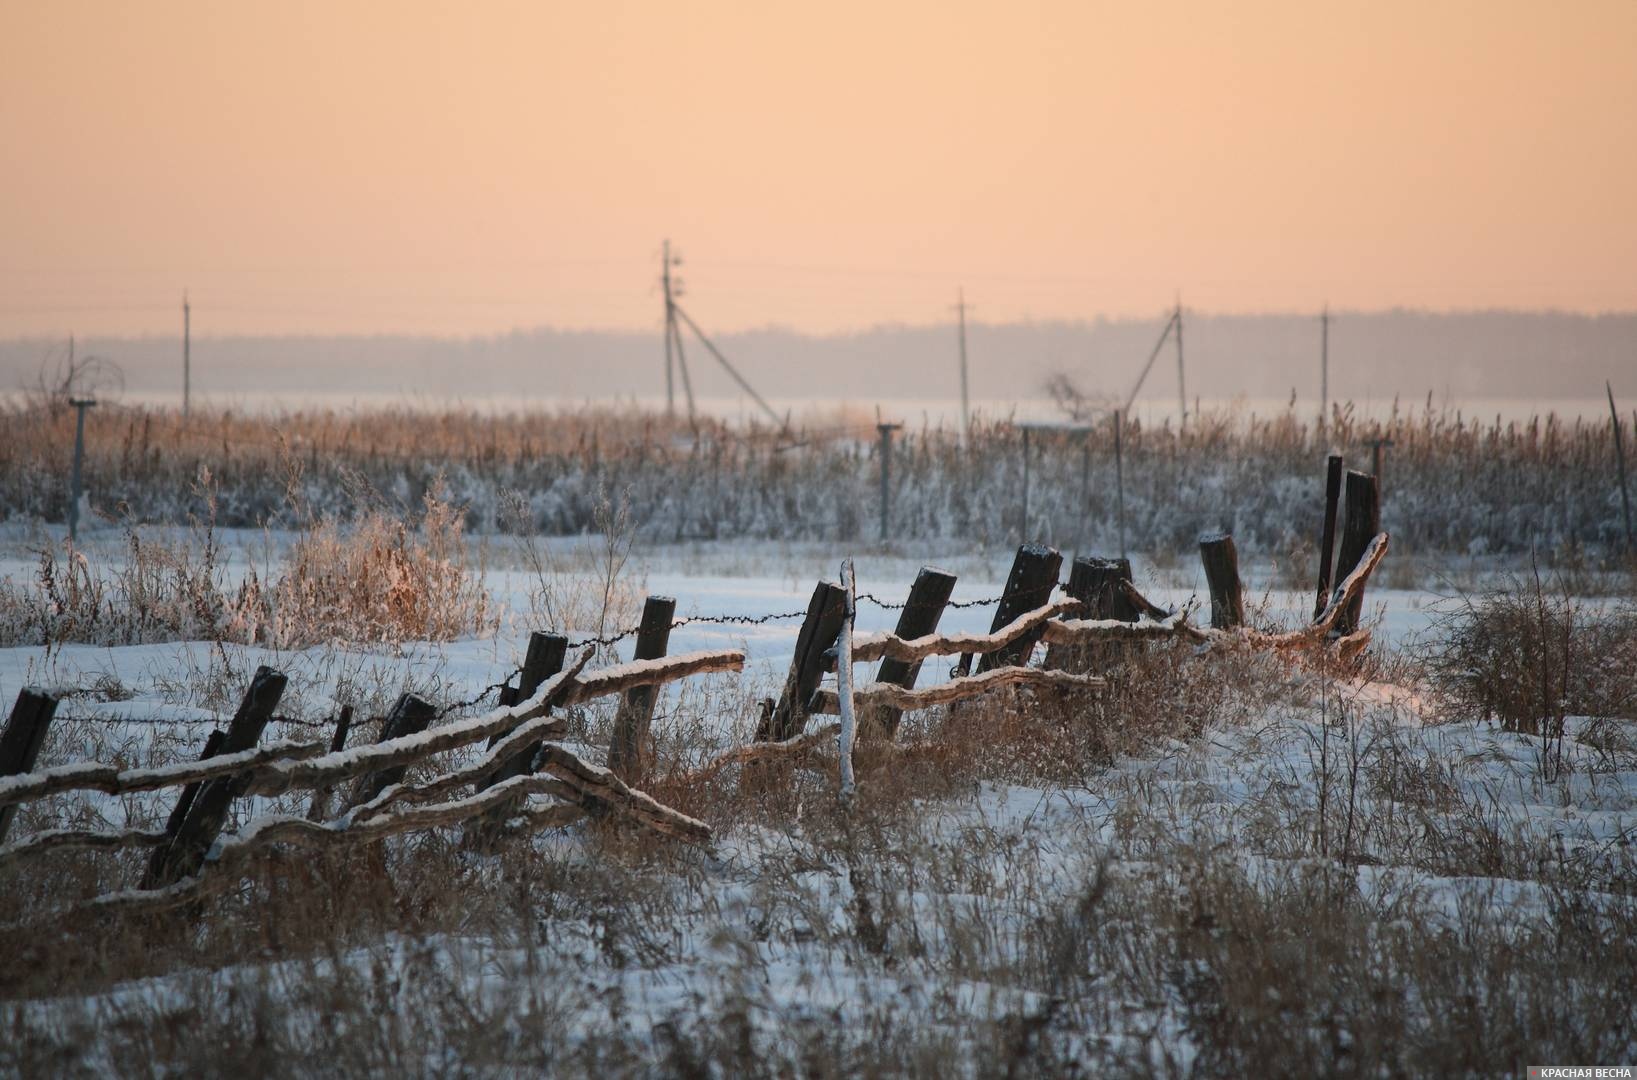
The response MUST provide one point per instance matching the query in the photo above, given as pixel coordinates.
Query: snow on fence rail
(525, 780)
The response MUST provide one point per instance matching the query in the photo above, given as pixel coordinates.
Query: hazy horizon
(1374, 356)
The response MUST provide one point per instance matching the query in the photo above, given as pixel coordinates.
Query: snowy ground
(1090, 914)
(748, 580)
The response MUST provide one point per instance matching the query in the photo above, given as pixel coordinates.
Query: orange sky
(473, 167)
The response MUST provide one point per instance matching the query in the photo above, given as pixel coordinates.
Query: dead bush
(383, 580)
(1531, 652)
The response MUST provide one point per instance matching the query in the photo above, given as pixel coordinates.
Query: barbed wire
(878, 602)
(603, 642)
(481, 694)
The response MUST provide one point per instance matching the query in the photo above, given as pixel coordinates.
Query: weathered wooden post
(628, 749)
(1100, 585)
(1221, 561)
(1327, 544)
(1028, 586)
(409, 716)
(1362, 524)
(20, 743)
(184, 802)
(543, 659)
(819, 630)
(338, 742)
(927, 599)
(185, 852)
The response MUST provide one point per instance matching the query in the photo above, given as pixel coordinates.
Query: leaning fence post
(1362, 524)
(1028, 586)
(185, 853)
(1221, 561)
(409, 716)
(927, 598)
(1098, 584)
(21, 742)
(543, 659)
(628, 749)
(184, 802)
(818, 632)
(1327, 543)
(338, 742)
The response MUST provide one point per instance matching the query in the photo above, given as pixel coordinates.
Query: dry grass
(1530, 653)
(1220, 864)
(1540, 485)
(380, 580)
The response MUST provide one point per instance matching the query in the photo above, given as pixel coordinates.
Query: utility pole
(966, 415)
(1377, 446)
(80, 405)
(1023, 524)
(1182, 387)
(670, 331)
(1324, 368)
(1620, 459)
(187, 345)
(1119, 476)
(885, 431)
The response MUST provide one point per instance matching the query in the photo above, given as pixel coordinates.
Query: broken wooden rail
(279, 767)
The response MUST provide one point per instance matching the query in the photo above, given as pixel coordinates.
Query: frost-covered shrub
(1451, 484)
(1530, 655)
(381, 580)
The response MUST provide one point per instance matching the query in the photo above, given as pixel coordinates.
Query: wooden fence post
(1098, 584)
(21, 742)
(1327, 544)
(927, 599)
(1221, 561)
(409, 716)
(819, 631)
(185, 853)
(628, 756)
(184, 802)
(338, 742)
(1028, 586)
(544, 658)
(1362, 524)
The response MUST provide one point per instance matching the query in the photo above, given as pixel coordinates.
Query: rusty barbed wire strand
(602, 642)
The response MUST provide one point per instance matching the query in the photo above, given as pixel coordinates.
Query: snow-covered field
(1323, 874)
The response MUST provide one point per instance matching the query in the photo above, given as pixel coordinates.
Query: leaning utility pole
(187, 344)
(1324, 367)
(670, 331)
(966, 415)
(1620, 458)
